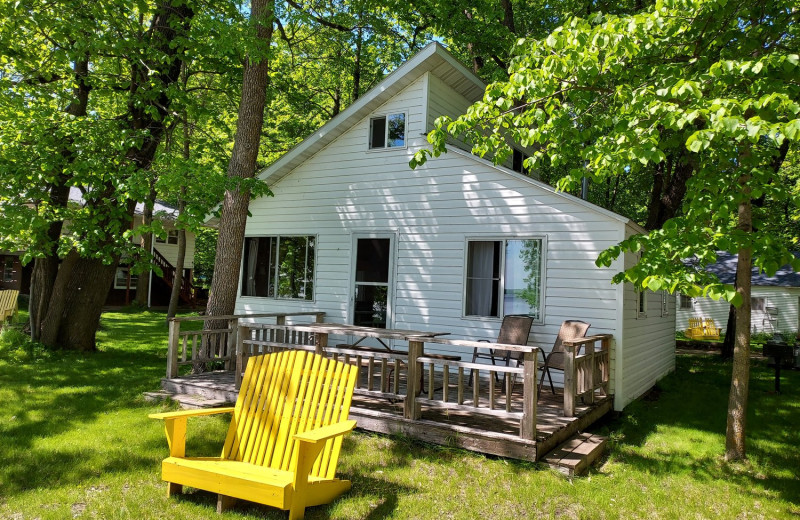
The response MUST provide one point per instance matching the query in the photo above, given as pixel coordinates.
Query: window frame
(641, 302)
(134, 278)
(172, 234)
(277, 271)
(8, 269)
(664, 303)
(516, 152)
(763, 306)
(385, 116)
(503, 238)
(681, 298)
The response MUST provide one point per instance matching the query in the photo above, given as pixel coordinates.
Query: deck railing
(586, 373)
(422, 382)
(207, 350)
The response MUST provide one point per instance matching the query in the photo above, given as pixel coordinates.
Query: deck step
(211, 385)
(574, 456)
(186, 401)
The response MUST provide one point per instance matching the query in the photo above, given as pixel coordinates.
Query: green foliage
(205, 245)
(687, 83)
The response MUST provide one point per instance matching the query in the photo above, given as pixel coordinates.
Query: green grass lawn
(75, 442)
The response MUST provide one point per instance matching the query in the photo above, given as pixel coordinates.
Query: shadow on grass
(695, 399)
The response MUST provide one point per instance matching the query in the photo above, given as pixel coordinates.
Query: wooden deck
(475, 432)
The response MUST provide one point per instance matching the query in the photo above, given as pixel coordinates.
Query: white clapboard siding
(345, 189)
(785, 299)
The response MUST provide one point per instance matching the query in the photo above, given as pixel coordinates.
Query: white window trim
(664, 304)
(679, 304)
(390, 297)
(502, 238)
(386, 131)
(124, 286)
(8, 269)
(275, 298)
(641, 294)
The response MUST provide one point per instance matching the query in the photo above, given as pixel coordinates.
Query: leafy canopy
(710, 83)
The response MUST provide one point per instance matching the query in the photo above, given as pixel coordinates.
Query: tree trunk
(82, 284)
(730, 335)
(143, 285)
(740, 379)
(243, 163)
(175, 295)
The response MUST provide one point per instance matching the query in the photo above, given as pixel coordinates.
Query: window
(172, 237)
(517, 161)
(504, 277)
(685, 302)
(121, 279)
(664, 303)
(279, 267)
(8, 269)
(641, 305)
(387, 131)
(758, 303)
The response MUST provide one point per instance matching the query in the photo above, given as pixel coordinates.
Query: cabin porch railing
(586, 373)
(212, 349)
(413, 377)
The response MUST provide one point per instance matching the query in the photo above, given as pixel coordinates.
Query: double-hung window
(121, 279)
(685, 302)
(387, 131)
(172, 237)
(279, 267)
(8, 269)
(505, 277)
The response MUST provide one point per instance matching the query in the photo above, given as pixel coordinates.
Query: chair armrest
(191, 413)
(175, 426)
(326, 432)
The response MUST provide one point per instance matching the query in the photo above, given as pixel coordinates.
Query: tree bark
(143, 285)
(730, 335)
(45, 269)
(740, 379)
(669, 189)
(175, 295)
(242, 165)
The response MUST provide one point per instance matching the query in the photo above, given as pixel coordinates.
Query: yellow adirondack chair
(284, 439)
(710, 329)
(8, 304)
(695, 329)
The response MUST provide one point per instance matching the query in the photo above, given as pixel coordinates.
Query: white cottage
(454, 245)
(774, 302)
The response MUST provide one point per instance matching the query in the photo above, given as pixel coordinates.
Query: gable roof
(725, 269)
(432, 58)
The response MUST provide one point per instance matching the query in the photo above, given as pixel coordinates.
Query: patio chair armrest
(191, 413)
(326, 432)
(175, 426)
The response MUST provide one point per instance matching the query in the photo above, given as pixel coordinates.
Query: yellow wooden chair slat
(284, 439)
(9, 305)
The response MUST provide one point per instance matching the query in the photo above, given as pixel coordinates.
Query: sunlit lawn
(75, 442)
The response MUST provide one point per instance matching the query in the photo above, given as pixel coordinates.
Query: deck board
(487, 434)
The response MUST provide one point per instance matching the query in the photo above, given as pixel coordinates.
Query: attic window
(387, 131)
(172, 237)
(517, 161)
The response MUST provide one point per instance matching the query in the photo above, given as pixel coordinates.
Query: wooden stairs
(188, 291)
(577, 454)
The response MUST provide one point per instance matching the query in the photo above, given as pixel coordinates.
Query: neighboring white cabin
(775, 300)
(774, 309)
(451, 246)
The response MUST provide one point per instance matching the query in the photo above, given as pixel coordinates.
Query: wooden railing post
(320, 343)
(241, 334)
(590, 353)
(570, 383)
(320, 317)
(280, 320)
(172, 348)
(411, 410)
(529, 397)
(233, 324)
